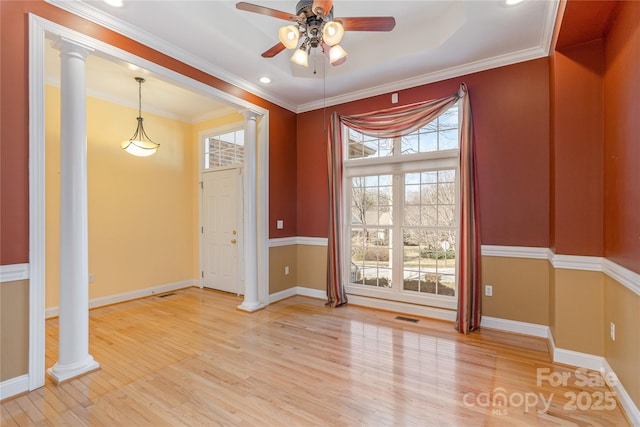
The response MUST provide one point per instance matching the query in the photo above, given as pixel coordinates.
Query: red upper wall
(14, 107)
(14, 136)
(511, 123)
(577, 174)
(282, 175)
(585, 20)
(622, 138)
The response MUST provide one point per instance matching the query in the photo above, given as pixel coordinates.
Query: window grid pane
(225, 150)
(371, 235)
(363, 146)
(371, 256)
(429, 232)
(440, 134)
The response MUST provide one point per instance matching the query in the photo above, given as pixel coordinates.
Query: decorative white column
(251, 301)
(73, 351)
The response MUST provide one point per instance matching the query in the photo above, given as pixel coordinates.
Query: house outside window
(225, 149)
(402, 212)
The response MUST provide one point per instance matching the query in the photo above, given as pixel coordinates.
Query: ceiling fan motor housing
(311, 24)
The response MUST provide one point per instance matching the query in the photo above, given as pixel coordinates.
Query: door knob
(234, 232)
(233, 240)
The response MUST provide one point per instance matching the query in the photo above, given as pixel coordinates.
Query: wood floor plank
(192, 358)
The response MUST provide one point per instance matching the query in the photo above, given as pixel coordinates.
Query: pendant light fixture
(140, 144)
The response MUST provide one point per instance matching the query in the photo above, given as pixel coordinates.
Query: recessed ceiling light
(114, 3)
(512, 2)
(265, 80)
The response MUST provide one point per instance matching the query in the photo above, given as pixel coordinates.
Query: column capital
(250, 115)
(68, 46)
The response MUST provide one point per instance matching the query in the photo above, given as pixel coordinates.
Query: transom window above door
(225, 149)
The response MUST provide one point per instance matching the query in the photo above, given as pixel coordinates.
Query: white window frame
(396, 165)
(212, 133)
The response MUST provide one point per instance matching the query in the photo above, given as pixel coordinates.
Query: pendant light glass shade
(289, 36)
(140, 144)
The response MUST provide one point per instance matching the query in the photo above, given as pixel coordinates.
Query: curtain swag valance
(394, 123)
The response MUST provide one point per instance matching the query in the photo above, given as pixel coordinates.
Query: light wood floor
(192, 359)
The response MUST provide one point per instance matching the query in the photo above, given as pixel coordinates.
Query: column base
(250, 307)
(61, 373)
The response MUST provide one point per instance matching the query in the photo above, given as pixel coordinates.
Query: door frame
(40, 30)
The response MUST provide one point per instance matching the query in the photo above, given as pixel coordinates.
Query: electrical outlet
(91, 278)
(286, 269)
(488, 290)
(279, 224)
(612, 331)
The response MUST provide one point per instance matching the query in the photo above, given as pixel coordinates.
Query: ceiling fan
(315, 25)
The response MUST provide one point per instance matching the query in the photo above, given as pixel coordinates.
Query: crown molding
(105, 96)
(221, 112)
(550, 18)
(96, 16)
(449, 73)
(542, 50)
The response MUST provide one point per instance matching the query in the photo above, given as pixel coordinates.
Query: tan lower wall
(279, 258)
(520, 289)
(622, 307)
(14, 329)
(579, 311)
(552, 300)
(312, 266)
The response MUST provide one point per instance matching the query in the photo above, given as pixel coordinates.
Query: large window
(403, 213)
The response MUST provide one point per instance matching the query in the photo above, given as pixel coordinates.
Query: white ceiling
(432, 40)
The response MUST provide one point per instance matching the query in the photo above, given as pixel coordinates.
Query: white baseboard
(278, 296)
(574, 358)
(629, 406)
(298, 290)
(127, 296)
(14, 386)
(533, 329)
(310, 292)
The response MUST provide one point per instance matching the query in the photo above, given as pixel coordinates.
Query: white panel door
(221, 193)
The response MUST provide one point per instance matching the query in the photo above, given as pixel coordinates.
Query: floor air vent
(166, 295)
(407, 319)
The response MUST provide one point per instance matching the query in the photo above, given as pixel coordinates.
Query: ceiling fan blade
(322, 7)
(273, 51)
(370, 23)
(249, 7)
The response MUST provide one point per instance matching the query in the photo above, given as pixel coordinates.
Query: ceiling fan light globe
(300, 57)
(289, 36)
(332, 33)
(336, 53)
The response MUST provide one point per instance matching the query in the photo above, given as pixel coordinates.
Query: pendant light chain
(140, 144)
(140, 80)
